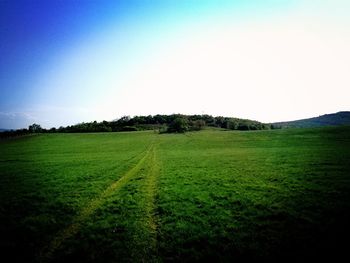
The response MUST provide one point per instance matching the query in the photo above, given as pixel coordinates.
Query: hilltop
(161, 123)
(183, 123)
(175, 122)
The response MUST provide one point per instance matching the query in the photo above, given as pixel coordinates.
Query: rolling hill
(333, 119)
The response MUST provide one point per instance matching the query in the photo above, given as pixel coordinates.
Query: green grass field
(146, 197)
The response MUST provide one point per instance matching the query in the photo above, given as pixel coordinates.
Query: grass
(209, 195)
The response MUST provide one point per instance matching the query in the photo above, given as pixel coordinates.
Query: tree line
(162, 123)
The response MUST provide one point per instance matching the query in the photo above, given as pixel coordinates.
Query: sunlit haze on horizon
(66, 62)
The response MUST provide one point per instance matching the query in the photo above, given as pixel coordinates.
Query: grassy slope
(212, 194)
(254, 195)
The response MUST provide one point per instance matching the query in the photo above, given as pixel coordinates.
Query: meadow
(145, 197)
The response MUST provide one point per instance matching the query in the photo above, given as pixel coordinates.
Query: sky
(64, 62)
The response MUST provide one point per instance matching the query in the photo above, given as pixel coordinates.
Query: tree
(233, 124)
(198, 125)
(34, 128)
(180, 124)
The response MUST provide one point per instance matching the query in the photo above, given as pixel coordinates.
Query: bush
(179, 125)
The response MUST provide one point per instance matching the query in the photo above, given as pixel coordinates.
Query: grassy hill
(211, 195)
(334, 119)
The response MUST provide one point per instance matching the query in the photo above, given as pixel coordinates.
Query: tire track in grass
(147, 251)
(151, 198)
(47, 253)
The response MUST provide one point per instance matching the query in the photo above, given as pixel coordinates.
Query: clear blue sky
(64, 62)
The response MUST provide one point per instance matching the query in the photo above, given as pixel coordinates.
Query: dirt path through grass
(149, 222)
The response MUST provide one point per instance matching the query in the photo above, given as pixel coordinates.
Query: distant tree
(124, 119)
(243, 126)
(61, 129)
(197, 125)
(232, 124)
(160, 119)
(180, 124)
(219, 121)
(34, 128)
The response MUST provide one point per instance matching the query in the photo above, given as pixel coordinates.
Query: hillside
(333, 119)
(162, 123)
